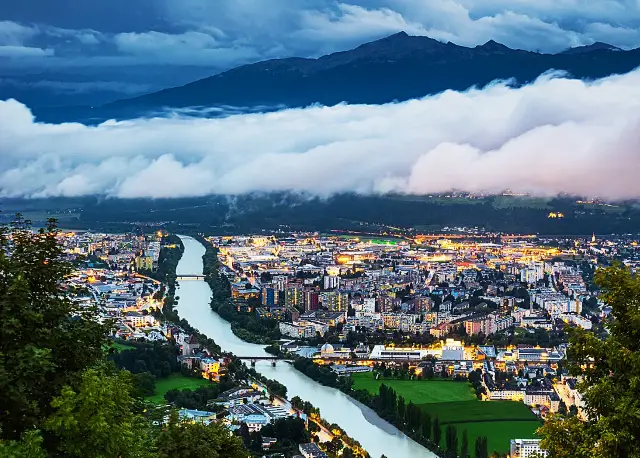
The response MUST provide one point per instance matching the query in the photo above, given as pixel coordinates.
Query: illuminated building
(210, 368)
(526, 448)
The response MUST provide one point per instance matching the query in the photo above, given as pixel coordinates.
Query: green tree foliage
(290, 429)
(30, 446)
(186, 440)
(451, 440)
(96, 419)
(610, 379)
(481, 448)
(159, 359)
(426, 425)
(437, 431)
(46, 341)
(197, 399)
(464, 446)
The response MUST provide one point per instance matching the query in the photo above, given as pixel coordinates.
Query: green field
(465, 411)
(121, 347)
(418, 391)
(455, 403)
(498, 433)
(175, 381)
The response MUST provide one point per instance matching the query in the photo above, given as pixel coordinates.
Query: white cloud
(14, 34)
(24, 51)
(184, 48)
(556, 135)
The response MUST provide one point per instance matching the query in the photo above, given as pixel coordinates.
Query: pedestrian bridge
(184, 277)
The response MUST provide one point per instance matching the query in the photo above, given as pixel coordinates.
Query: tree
(30, 446)
(185, 440)
(437, 431)
(426, 425)
(245, 434)
(46, 340)
(464, 447)
(96, 419)
(400, 409)
(481, 449)
(348, 453)
(451, 440)
(609, 370)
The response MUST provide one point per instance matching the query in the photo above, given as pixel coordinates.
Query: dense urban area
(457, 339)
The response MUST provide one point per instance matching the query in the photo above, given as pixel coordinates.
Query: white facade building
(526, 448)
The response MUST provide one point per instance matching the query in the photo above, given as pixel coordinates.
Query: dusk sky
(36, 34)
(556, 135)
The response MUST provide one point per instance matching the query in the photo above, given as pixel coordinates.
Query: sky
(556, 135)
(67, 34)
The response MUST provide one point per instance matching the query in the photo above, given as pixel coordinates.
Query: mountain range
(398, 67)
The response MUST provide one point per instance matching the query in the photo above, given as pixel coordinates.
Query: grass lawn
(176, 381)
(464, 411)
(120, 347)
(418, 391)
(455, 403)
(498, 433)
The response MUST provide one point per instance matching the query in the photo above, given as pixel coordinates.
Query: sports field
(455, 403)
(417, 391)
(175, 381)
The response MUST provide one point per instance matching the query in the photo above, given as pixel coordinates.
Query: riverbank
(273, 387)
(376, 435)
(244, 325)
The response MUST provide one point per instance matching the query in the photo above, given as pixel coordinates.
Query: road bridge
(184, 277)
(273, 359)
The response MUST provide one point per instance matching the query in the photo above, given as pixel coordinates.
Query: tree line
(245, 325)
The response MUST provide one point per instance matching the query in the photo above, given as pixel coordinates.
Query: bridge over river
(254, 359)
(183, 277)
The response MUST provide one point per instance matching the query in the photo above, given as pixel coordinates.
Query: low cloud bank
(557, 135)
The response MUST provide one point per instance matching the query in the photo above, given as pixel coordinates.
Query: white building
(526, 448)
(452, 350)
(369, 305)
(331, 281)
(390, 353)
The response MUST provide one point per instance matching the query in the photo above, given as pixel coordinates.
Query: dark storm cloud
(224, 33)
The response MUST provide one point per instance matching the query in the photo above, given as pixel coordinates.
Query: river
(376, 435)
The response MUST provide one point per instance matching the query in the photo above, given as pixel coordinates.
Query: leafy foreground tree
(59, 396)
(610, 380)
(100, 409)
(46, 341)
(186, 440)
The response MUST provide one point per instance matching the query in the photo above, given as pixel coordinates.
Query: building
(335, 301)
(210, 368)
(303, 329)
(507, 395)
(293, 297)
(526, 448)
(196, 416)
(331, 282)
(311, 300)
(256, 415)
(369, 305)
(269, 297)
(311, 450)
(452, 350)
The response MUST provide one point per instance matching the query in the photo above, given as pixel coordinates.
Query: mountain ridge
(394, 68)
